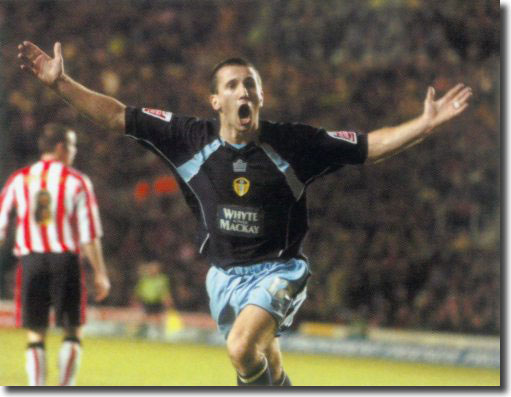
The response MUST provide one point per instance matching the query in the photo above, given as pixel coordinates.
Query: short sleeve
(324, 151)
(170, 136)
(7, 200)
(337, 148)
(315, 151)
(87, 212)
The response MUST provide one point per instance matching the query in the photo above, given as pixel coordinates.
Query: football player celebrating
(245, 179)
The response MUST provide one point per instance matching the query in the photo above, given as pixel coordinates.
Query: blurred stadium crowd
(412, 242)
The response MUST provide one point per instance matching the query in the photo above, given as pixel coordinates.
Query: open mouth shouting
(245, 114)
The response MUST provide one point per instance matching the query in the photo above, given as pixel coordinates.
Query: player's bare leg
(36, 357)
(274, 356)
(250, 337)
(69, 356)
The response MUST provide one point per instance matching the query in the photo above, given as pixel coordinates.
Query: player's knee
(243, 354)
(36, 335)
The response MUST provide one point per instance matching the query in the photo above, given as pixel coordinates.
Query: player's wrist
(425, 125)
(60, 82)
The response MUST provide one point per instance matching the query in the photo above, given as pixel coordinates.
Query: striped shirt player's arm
(7, 201)
(90, 233)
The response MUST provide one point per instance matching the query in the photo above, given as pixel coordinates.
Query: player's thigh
(67, 289)
(35, 291)
(254, 327)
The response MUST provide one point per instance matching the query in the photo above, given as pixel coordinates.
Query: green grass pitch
(129, 362)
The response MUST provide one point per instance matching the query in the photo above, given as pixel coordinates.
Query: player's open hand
(452, 104)
(36, 62)
(101, 286)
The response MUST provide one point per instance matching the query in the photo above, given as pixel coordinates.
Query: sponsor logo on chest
(240, 221)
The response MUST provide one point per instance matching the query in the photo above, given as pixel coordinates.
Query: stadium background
(412, 243)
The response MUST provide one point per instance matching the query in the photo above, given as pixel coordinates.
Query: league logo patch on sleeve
(348, 136)
(160, 114)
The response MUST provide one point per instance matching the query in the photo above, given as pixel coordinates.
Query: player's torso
(245, 204)
(249, 194)
(48, 187)
(44, 203)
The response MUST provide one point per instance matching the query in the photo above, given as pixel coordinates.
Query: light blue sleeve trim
(192, 167)
(296, 186)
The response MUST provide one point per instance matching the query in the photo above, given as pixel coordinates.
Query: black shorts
(46, 280)
(154, 308)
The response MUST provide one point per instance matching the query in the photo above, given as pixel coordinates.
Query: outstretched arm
(103, 110)
(385, 142)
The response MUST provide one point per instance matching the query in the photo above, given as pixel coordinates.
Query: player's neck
(48, 157)
(54, 157)
(236, 137)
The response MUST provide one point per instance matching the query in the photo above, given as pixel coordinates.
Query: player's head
(153, 268)
(236, 93)
(59, 141)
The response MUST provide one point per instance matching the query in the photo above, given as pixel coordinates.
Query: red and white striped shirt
(56, 209)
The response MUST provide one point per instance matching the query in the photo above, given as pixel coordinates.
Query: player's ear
(261, 98)
(215, 102)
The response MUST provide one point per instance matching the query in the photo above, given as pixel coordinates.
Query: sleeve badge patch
(348, 136)
(160, 114)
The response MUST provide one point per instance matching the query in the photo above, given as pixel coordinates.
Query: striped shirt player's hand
(101, 282)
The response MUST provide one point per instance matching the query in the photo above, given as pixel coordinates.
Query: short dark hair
(237, 61)
(52, 135)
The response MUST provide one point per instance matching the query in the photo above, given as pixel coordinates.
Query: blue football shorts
(278, 287)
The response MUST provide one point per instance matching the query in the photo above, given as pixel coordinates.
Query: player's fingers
(23, 58)
(101, 295)
(464, 95)
(102, 288)
(28, 69)
(430, 96)
(30, 50)
(23, 50)
(460, 100)
(461, 108)
(453, 92)
(57, 50)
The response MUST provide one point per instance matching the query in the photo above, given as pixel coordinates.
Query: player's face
(239, 97)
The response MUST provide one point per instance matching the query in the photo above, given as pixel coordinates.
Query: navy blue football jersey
(250, 201)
